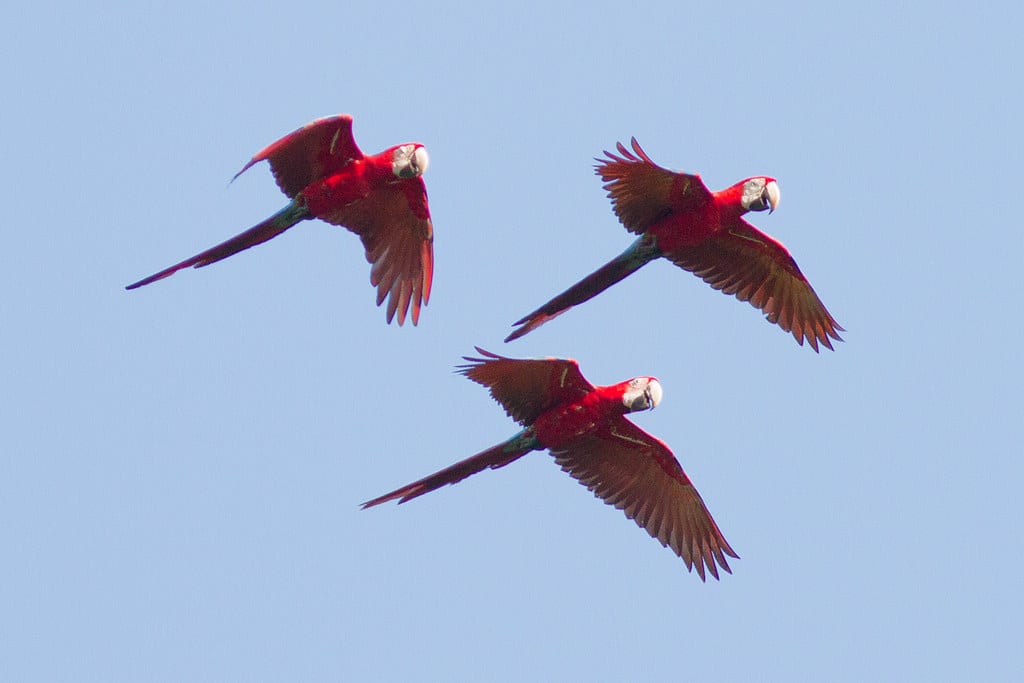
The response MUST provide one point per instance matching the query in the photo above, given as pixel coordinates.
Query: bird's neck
(729, 202)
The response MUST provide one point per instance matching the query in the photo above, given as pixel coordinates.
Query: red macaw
(700, 231)
(584, 428)
(381, 198)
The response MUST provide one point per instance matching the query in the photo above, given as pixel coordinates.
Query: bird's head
(409, 161)
(642, 393)
(760, 193)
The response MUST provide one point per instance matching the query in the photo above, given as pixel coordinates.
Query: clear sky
(182, 465)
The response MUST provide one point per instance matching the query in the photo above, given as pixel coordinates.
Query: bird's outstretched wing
(642, 192)
(317, 150)
(393, 222)
(744, 262)
(637, 473)
(527, 387)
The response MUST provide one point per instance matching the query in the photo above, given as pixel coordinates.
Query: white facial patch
(760, 194)
(752, 191)
(409, 161)
(643, 393)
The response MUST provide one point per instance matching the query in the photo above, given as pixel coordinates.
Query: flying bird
(678, 217)
(584, 428)
(381, 198)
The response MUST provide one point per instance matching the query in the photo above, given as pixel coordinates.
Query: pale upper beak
(772, 195)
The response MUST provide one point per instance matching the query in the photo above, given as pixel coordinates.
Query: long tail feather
(493, 458)
(638, 253)
(258, 234)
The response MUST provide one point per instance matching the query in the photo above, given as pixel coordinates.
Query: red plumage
(677, 217)
(585, 428)
(381, 198)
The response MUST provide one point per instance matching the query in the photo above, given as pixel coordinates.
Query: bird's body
(381, 198)
(560, 426)
(678, 218)
(585, 429)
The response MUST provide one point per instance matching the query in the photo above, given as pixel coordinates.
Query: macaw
(678, 217)
(584, 428)
(381, 198)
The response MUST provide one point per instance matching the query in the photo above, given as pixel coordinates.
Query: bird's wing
(393, 222)
(525, 388)
(637, 473)
(743, 261)
(642, 192)
(317, 150)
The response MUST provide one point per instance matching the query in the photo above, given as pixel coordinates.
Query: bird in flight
(381, 198)
(585, 429)
(676, 216)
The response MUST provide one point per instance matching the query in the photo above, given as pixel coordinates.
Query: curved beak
(772, 196)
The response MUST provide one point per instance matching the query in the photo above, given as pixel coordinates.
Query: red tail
(601, 279)
(268, 229)
(493, 458)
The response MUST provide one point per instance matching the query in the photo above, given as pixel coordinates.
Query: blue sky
(182, 465)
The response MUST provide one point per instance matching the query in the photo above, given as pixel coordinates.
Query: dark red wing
(317, 150)
(637, 473)
(750, 265)
(393, 222)
(526, 387)
(642, 192)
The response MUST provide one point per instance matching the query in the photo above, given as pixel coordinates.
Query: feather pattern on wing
(393, 222)
(317, 150)
(638, 474)
(526, 388)
(744, 262)
(642, 192)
